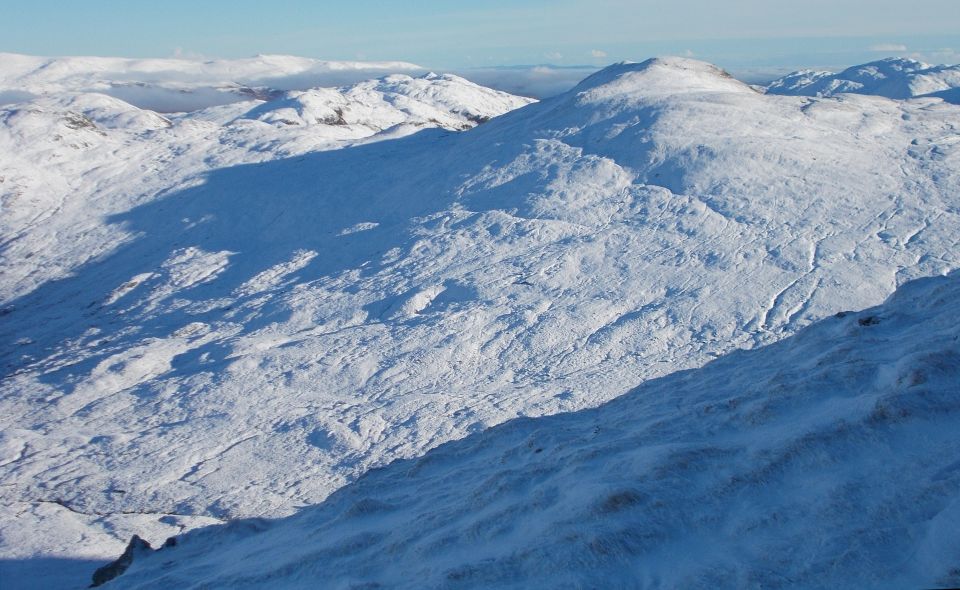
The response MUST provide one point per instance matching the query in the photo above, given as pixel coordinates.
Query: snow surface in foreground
(827, 460)
(218, 315)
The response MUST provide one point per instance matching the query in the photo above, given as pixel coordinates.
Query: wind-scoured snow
(893, 77)
(217, 314)
(827, 460)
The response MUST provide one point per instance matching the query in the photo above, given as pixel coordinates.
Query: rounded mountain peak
(887, 67)
(659, 75)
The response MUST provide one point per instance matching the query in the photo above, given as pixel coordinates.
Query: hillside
(826, 460)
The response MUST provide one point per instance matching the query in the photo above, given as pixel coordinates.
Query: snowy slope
(174, 85)
(828, 460)
(225, 317)
(893, 77)
(98, 150)
(72, 160)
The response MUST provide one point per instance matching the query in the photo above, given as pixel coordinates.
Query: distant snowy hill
(236, 311)
(828, 460)
(172, 85)
(892, 77)
(431, 100)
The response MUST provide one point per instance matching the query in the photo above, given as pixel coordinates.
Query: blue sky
(738, 34)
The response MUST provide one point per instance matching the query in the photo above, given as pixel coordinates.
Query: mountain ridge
(896, 78)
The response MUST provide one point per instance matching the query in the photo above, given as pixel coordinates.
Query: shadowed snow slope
(224, 317)
(892, 77)
(827, 460)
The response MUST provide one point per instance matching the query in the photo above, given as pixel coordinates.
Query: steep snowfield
(827, 460)
(218, 315)
(892, 77)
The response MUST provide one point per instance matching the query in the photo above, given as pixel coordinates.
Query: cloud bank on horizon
(738, 35)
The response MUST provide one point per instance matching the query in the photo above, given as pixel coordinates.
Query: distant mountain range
(893, 78)
(180, 85)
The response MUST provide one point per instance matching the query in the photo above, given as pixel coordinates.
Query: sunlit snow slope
(217, 315)
(827, 460)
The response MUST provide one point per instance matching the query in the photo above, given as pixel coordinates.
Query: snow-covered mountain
(97, 155)
(433, 100)
(174, 85)
(217, 314)
(827, 460)
(73, 160)
(893, 77)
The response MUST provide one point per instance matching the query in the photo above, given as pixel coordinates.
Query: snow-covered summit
(892, 77)
(100, 111)
(660, 75)
(827, 460)
(445, 101)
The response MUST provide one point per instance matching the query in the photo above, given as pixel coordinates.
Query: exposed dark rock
(477, 119)
(79, 121)
(120, 565)
(260, 93)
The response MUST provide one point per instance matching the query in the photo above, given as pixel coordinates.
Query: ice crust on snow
(214, 314)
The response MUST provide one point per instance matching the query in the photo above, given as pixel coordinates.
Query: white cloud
(598, 53)
(945, 55)
(181, 53)
(688, 53)
(535, 81)
(554, 55)
(888, 47)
